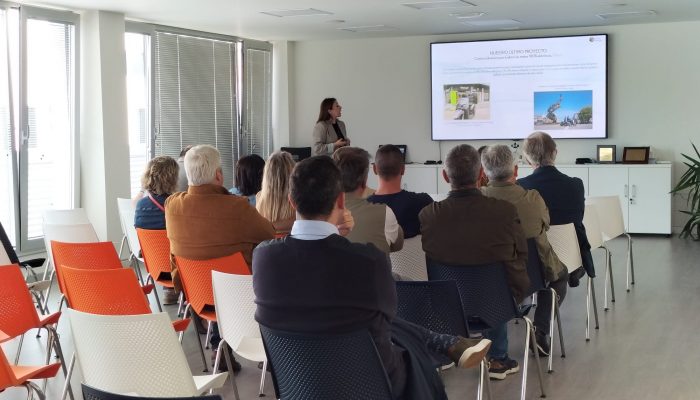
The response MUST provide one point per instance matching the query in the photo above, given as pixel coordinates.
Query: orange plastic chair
(155, 249)
(196, 283)
(96, 255)
(20, 375)
(108, 292)
(18, 315)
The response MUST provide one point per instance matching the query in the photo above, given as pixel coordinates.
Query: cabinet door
(524, 170)
(372, 179)
(420, 179)
(650, 200)
(610, 181)
(442, 186)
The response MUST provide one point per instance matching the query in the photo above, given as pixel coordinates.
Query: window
(37, 117)
(138, 91)
(257, 119)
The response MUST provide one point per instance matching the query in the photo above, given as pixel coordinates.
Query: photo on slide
(563, 110)
(467, 101)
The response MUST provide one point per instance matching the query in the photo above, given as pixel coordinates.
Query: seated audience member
(346, 287)
(564, 195)
(182, 176)
(389, 167)
(374, 223)
(248, 177)
(498, 164)
(157, 183)
(483, 179)
(469, 228)
(207, 221)
(273, 199)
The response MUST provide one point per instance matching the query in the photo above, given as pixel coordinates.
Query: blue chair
(535, 270)
(436, 305)
(318, 367)
(91, 393)
(487, 302)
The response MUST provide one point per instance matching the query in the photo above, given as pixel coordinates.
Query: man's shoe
(575, 276)
(468, 353)
(222, 363)
(499, 369)
(541, 343)
(169, 296)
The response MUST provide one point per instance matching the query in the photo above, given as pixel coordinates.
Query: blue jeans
(499, 342)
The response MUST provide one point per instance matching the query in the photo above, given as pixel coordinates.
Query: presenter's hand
(346, 223)
(340, 143)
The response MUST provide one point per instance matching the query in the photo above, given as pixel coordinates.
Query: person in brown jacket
(498, 165)
(207, 221)
(469, 228)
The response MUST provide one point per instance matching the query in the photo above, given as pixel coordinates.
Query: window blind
(258, 104)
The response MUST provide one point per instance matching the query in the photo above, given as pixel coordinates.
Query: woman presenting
(329, 132)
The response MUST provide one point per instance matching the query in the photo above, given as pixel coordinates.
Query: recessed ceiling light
(306, 12)
(467, 15)
(431, 5)
(493, 22)
(628, 14)
(367, 28)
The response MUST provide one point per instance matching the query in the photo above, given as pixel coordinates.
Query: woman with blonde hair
(158, 181)
(272, 202)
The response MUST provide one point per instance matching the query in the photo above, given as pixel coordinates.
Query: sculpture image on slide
(563, 110)
(467, 101)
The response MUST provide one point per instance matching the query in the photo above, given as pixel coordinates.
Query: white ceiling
(244, 18)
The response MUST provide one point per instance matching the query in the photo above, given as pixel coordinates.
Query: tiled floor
(644, 349)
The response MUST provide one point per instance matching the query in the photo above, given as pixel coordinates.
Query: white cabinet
(643, 191)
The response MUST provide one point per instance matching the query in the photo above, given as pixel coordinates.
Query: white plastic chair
(591, 221)
(134, 354)
(235, 312)
(126, 218)
(65, 217)
(565, 244)
(612, 225)
(409, 262)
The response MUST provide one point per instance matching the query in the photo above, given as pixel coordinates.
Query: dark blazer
(469, 228)
(565, 199)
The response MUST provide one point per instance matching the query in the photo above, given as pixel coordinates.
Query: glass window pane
(48, 135)
(138, 90)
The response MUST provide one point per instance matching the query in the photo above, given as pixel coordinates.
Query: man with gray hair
(207, 221)
(499, 167)
(563, 195)
(469, 228)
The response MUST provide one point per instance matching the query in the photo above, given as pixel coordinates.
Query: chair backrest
(535, 268)
(7, 252)
(90, 393)
(486, 298)
(307, 366)
(434, 305)
(7, 377)
(126, 217)
(565, 244)
(612, 223)
(104, 292)
(155, 248)
(69, 233)
(591, 221)
(235, 300)
(91, 255)
(75, 216)
(409, 262)
(131, 354)
(196, 277)
(17, 312)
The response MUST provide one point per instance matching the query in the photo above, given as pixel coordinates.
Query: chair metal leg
(480, 384)
(48, 290)
(561, 334)
(207, 336)
(121, 246)
(595, 303)
(137, 268)
(201, 348)
(588, 310)
(552, 315)
(612, 283)
(49, 344)
(261, 392)
(19, 348)
(530, 335)
(229, 364)
(59, 353)
(155, 292)
(180, 303)
(33, 388)
(630, 262)
(69, 375)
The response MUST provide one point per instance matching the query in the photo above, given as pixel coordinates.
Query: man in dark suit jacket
(315, 281)
(564, 195)
(469, 228)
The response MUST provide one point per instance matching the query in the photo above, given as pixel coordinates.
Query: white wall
(383, 85)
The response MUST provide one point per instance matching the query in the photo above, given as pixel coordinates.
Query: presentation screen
(506, 89)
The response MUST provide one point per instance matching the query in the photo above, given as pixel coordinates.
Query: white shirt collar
(312, 230)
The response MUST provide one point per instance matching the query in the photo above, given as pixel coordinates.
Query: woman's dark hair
(326, 105)
(249, 172)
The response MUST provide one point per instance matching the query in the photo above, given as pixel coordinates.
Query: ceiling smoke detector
(305, 12)
(627, 14)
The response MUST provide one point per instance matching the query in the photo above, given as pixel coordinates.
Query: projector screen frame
(606, 78)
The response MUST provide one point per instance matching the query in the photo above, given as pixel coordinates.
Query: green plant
(691, 181)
